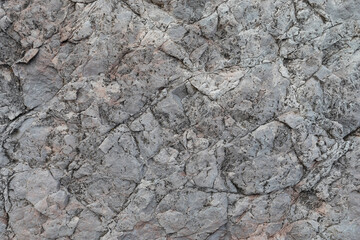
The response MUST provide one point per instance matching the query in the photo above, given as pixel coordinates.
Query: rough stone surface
(181, 119)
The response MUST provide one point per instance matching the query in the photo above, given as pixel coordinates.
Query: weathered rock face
(179, 119)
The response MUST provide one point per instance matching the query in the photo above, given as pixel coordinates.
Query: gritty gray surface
(180, 119)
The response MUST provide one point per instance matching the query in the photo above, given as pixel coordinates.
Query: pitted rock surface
(180, 119)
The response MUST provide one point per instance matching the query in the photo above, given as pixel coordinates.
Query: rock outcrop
(181, 119)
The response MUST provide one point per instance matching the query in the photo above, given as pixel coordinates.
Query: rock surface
(179, 119)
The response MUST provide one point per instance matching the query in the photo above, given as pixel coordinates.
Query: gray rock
(190, 206)
(179, 119)
(11, 103)
(88, 226)
(10, 49)
(39, 80)
(262, 161)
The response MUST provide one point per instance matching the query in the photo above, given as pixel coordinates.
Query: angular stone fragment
(28, 55)
(174, 50)
(190, 208)
(40, 184)
(87, 226)
(149, 134)
(26, 221)
(39, 80)
(263, 161)
(259, 95)
(170, 112)
(172, 221)
(60, 227)
(209, 24)
(3, 158)
(31, 145)
(215, 84)
(10, 48)
(11, 102)
(204, 167)
(84, 31)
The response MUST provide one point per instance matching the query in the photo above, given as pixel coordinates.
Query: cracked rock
(174, 120)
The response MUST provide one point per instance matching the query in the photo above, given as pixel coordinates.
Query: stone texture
(180, 119)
